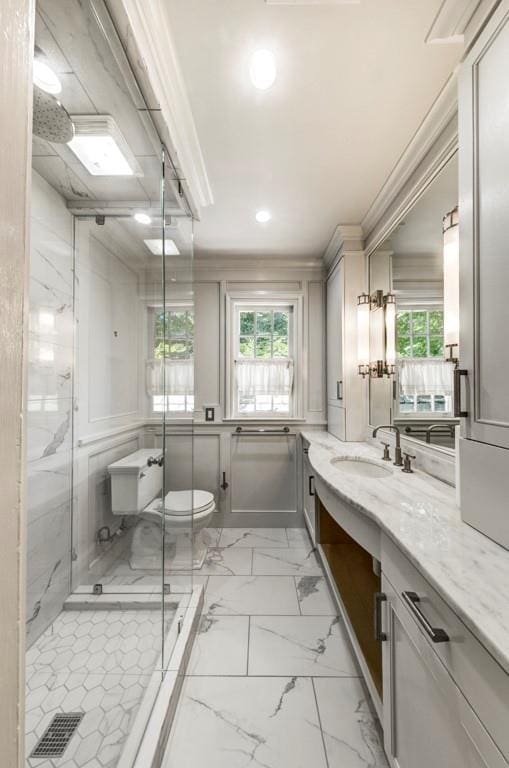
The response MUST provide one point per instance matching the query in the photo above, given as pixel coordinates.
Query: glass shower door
(177, 325)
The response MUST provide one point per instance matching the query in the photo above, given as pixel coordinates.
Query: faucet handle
(386, 456)
(407, 463)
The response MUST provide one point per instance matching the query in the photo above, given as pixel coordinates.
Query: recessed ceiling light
(45, 78)
(101, 147)
(262, 217)
(156, 247)
(262, 69)
(142, 218)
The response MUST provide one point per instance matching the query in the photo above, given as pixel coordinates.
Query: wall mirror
(410, 318)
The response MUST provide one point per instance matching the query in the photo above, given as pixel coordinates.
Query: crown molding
(460, 21)
(440, 120)
(151, 30)
(346, 237)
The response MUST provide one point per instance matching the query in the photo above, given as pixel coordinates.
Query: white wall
(215, 449)
(109, 423)
(16, 51)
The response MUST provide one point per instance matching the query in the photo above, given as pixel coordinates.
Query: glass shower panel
(110, 406)
(176, 323)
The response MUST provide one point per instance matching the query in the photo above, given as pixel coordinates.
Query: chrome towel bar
(240, 432)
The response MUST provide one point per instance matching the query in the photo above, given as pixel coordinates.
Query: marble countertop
(419, 513)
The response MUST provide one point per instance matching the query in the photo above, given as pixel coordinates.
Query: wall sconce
(450, 229)
(385, 366)
(363, 307)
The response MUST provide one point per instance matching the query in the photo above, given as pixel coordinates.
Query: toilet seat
(185, 504)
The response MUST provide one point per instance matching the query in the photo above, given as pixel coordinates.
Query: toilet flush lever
(151, 461)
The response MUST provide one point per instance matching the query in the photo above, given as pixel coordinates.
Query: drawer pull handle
(380, 597)
(311, 485)
(436, 634)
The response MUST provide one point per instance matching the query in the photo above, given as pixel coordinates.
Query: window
(425, 379)
(263, 361)
(173, 348)
(420, 333)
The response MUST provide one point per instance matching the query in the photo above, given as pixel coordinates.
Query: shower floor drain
(57, 735)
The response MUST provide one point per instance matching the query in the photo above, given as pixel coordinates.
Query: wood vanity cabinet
(484, 280)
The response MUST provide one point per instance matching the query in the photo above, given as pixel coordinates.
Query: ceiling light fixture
(99, 144)
(262, 217)
(156, 247)
(45, 78)
(142, 218)
(262, 70)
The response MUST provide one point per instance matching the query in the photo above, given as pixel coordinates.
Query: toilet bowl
(186, 514)
(136, 482)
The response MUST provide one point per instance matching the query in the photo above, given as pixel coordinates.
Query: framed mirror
(413, 318)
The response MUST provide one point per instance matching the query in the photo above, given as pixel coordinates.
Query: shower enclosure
(110, 374)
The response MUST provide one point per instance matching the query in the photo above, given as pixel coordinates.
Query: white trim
(451, 20)
(439, 123)
(296, 301)
(151, 30)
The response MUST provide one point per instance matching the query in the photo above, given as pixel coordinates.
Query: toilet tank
(134, 483)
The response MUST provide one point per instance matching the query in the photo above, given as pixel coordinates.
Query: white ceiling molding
(439, 123)
(460, 21)
(451, 21)
(151, 30)
(346, 237)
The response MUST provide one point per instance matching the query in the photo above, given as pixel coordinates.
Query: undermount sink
(360, 467)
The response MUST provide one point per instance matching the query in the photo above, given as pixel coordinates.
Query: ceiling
(354, 83)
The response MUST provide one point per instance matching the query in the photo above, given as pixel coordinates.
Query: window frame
(249, 301)
(414, 413)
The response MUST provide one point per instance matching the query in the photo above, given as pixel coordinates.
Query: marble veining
(419, 513)
(278, 690)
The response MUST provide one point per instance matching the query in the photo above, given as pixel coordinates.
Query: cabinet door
(427, 720)
(308, 491)
(484, 218)
(335, 288)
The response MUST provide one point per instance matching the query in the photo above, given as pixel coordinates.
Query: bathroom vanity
(423, 598)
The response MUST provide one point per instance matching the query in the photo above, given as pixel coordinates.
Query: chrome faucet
(398, 459)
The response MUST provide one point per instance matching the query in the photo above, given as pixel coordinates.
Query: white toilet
(136, 483)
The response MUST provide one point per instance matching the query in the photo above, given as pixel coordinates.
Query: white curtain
(177, 375)
(264, 377)
(425, 377)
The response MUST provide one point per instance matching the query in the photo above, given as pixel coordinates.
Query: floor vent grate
(57, 735)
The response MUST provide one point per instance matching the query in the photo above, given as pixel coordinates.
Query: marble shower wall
(49, 408)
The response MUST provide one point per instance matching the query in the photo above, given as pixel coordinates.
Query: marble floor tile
(253, 537)
(298, 537)
(286, 562)
(351, 733)
(299, 645)
(314, 596)
(231, 562)
(251, 595)
(239, 722)
(211, 536)
(220, 646)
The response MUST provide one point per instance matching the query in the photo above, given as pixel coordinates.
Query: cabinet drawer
(482, 681)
